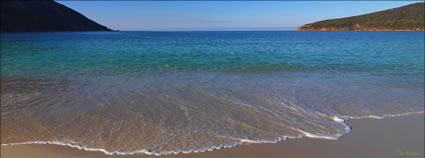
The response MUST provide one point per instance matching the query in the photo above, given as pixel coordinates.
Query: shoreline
(344, 120)
(287, 147)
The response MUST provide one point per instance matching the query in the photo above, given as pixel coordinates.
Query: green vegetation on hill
(406, 18)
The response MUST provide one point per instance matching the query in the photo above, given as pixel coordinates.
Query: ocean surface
(178, 92)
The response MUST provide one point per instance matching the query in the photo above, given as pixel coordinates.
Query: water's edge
(340, 119)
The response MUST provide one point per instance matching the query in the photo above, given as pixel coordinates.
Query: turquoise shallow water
(118, 52)
(164, 92)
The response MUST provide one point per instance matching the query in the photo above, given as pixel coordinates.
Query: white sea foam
(346, 130)
(319, 136)
(337, 119)
(157, 153)
(387, 115)
(122, 152)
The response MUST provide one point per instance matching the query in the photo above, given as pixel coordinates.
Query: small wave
(156, 153)
(303, 134)
(387, 115)
(339, 119)
(148, 151)
(212, 148)
(122, 152)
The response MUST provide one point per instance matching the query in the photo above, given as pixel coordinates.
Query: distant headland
(43, 16)
(405, 18)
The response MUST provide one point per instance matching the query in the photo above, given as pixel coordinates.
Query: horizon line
(216, 29)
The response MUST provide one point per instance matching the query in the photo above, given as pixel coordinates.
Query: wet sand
(397, 137)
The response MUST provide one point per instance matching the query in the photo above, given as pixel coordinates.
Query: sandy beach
(397, 137)
(148, 79)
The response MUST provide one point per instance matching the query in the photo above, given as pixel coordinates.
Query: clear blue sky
(220, 15)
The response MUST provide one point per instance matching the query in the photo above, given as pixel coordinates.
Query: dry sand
(399, 137)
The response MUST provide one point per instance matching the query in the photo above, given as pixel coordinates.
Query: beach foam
(212, 148)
